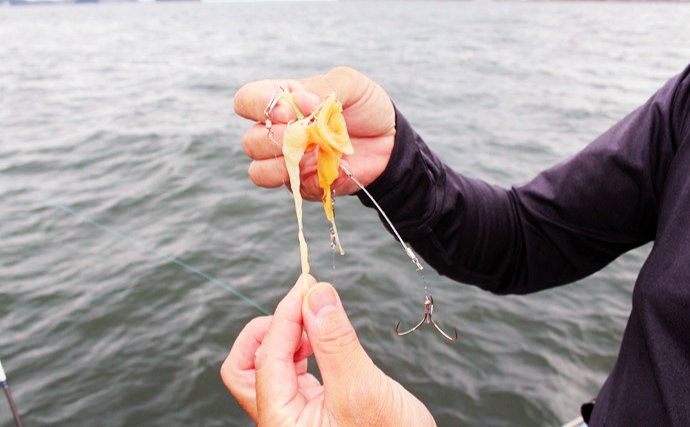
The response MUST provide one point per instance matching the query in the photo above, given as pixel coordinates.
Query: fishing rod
(10, 400)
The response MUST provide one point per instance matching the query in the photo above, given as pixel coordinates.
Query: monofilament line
(143, 247)
(408, 250)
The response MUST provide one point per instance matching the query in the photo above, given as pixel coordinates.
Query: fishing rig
(428, 299)
(8, 394)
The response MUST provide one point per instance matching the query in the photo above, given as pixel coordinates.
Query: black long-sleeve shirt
(628, 187)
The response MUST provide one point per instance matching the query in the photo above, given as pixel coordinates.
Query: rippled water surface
(122, 114)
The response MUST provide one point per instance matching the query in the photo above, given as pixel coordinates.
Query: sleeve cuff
(408, 188)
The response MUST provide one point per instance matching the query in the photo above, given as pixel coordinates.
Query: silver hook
(272, 104)
(428, 312)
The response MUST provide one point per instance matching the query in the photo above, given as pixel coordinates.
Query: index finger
(276, 377)
(252, 99)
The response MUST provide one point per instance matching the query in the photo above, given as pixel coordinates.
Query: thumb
(347, 84)
(341, 359)
(367, 108)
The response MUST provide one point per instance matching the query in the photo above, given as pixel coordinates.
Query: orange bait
(324, 131)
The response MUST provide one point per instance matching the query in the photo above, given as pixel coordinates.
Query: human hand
(266, 370)
(368, 113)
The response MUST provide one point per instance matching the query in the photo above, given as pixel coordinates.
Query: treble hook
(428, 312)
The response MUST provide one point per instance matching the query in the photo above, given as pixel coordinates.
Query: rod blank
(8, 394)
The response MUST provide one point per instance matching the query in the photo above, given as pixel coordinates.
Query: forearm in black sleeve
(567, 223)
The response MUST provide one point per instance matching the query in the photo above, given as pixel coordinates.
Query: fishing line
(428, 299)
(408, 251)
(143, 247)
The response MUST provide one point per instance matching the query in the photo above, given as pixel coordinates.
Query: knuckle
(247, 144)
(338, 337)
(309, 188)
(253, 174)
(278, 133)
(344, 71)
(230, 376)
(257, 322)
(237, 101)
(261, 357)
(226, 369)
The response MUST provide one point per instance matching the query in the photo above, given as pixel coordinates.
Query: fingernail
(322, 298)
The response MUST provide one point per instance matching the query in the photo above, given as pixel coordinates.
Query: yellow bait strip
(325, 131)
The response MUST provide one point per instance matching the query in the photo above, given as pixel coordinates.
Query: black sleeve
(568, 222)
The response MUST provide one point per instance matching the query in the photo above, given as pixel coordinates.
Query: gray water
(122, 114)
